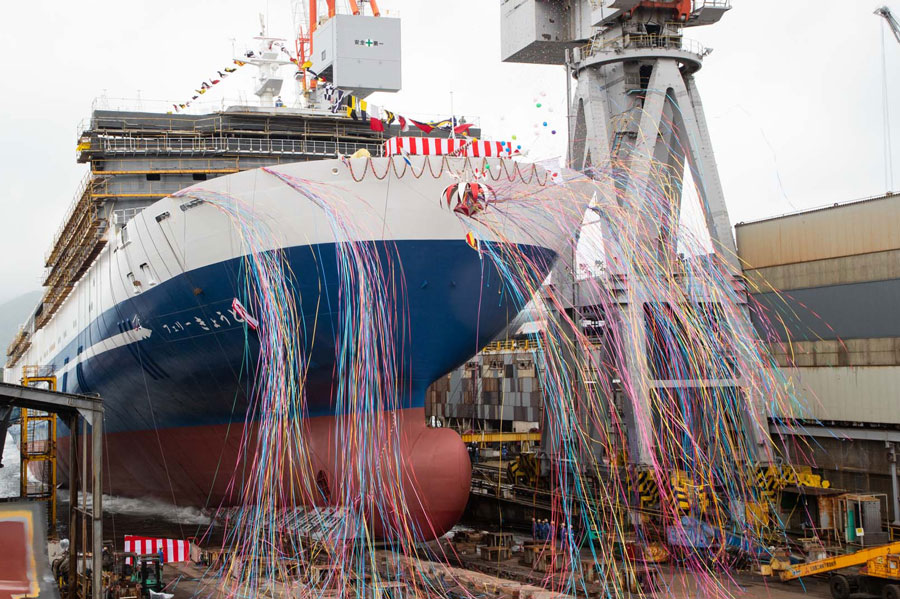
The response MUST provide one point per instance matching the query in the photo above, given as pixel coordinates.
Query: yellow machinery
(501, 437)
(688, 495)
(525, 470)
(879, 576)
(38, 450)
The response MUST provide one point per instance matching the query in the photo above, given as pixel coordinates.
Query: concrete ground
(188, 580)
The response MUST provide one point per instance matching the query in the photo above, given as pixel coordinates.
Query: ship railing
(223, 145)
(628, 42)
(512, 345)
(35, 371)
(172, 106)
(179, 165)
(157, 114)
(701, 4)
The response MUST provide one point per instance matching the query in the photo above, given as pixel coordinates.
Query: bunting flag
(208, 84)
(423, 126)
(356, 108)
(337, 101)
(444, 125)
(378, 118)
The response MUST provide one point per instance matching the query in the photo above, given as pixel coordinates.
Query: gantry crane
(637, 104)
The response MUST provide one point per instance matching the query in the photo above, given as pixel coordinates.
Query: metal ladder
(38, 450)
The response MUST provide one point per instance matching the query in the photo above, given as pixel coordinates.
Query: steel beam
(637, 104)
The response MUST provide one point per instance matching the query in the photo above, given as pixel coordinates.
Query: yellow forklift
(880, 574)
(132, 575)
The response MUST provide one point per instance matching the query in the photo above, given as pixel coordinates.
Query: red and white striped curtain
(173, 550)
(431, 146)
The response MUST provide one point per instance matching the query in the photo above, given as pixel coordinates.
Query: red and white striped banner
(432, 146)
(173, 550)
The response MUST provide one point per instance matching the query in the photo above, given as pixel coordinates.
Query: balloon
(538, 104)
(514, 137)
(553, 132)
(545, 123)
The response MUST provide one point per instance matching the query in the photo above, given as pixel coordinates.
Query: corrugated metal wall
(866, 394)
(858, 228)
(845, 270)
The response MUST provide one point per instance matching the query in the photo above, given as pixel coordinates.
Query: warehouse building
(834, 326)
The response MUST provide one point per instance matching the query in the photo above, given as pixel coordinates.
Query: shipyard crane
(306, 21)
(637, 102)
(891, 21)
(894, 26)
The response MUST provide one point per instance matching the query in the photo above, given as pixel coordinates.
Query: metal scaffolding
(77, 411)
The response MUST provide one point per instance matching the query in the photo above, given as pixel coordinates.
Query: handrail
(512, 345)
(221, 145)
(641, 41)
(698, 4)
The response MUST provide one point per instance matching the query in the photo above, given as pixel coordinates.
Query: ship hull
(175, 363)
(202, 466)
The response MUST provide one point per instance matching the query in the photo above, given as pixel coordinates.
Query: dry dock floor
(189, 581)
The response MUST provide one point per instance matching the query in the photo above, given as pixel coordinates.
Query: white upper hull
(164, 240)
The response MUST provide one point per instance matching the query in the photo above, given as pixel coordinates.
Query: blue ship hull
(176, 401)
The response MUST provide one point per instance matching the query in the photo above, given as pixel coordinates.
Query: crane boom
(885, 12)
(788, 571)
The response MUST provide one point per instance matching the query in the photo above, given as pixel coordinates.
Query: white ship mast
(271, 54)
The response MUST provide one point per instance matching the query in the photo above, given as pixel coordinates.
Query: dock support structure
(637, 109)
(75, 410)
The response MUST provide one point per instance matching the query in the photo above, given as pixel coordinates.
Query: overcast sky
(792, 91)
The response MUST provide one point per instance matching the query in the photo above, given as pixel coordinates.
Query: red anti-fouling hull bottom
(202, 466)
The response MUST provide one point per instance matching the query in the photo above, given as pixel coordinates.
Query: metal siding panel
(848, 394)
(858, 310)
(358, 65)
(860, 268)
(858, 228)
(533, 31)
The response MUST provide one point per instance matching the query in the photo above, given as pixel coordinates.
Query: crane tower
(636, 102)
